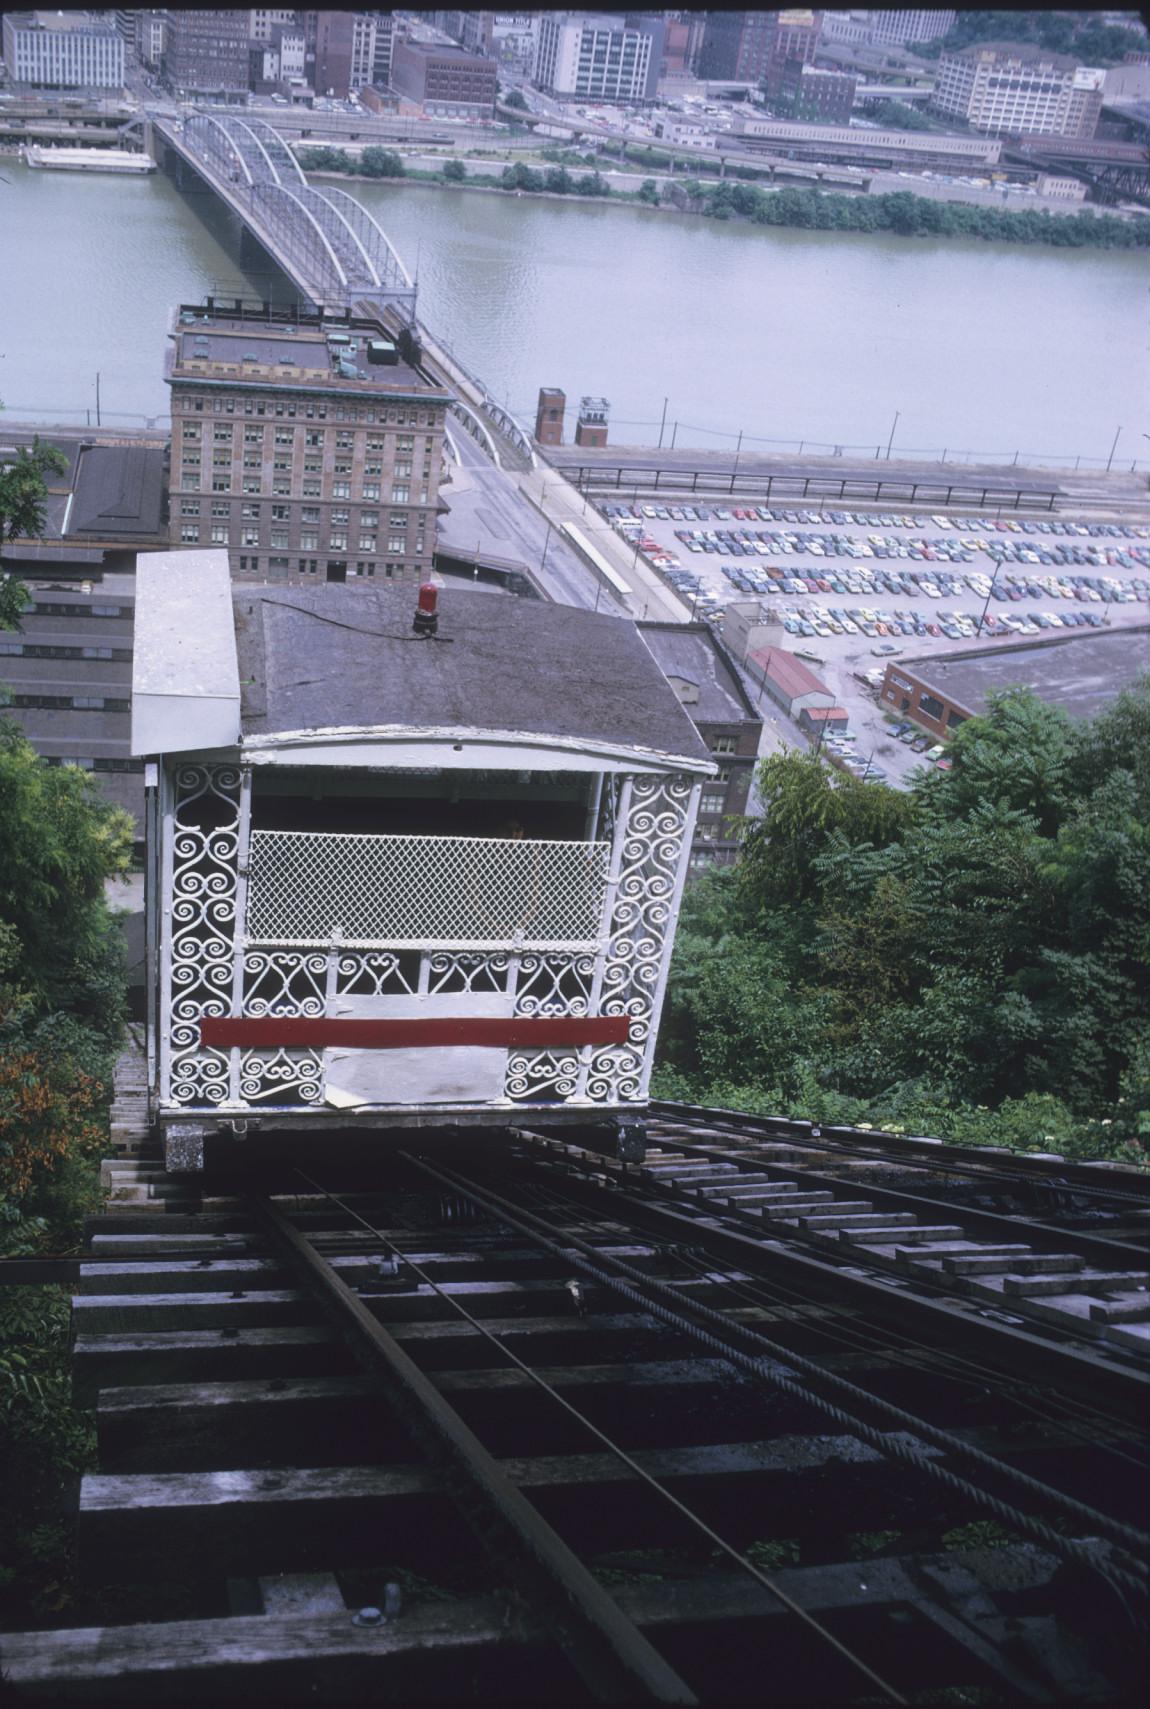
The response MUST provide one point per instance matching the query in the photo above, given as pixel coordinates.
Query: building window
(250, 512)
(723, 745)
(713, 802)
(219, 534)
(369, 519)
(364, 569)
(279, 538)
(249, 537)
(932, 707)
(249, 563)
(281, 564)
(370, 490)
(190, 507)
(340, 517)
(190, 534)
(367, 543)
(341, 489)
(251, 485)
(280, 512)
(337, 541)
(309, 540)
(400, 495)
(222, 484)
(311, 489)
(306, 566)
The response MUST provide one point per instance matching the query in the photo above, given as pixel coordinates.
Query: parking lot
(846, 591)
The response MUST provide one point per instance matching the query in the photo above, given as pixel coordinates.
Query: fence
(728, 484)
(873, 451)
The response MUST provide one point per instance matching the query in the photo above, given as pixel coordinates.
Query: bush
(454, 171)
(381, 163)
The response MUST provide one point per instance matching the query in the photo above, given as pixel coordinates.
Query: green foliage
(381, 163)
(454, 171)
(898, 116)
(1092, 41)
(516, 99)
(23, 496)
(649, 191)
(970, 959)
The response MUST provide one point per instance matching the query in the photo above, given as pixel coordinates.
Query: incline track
(521, 1423)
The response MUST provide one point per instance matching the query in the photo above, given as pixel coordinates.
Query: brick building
(711, 694)
(309, 446)
(1081, 673)
(827, 97)
(447, 82)
(207, 53)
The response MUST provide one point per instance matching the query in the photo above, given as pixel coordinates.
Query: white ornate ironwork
(310, 887)
(542, 1075)
(377, 973)
(563, 929)
(554, 984)
(201, 883)
(284, 982)
(652, 864)
(285, 1075)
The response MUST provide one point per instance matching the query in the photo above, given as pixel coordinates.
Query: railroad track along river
(523, 1424)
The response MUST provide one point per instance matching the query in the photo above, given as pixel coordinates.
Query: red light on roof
(428, 598)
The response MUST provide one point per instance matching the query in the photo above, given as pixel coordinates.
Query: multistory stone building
(262, 24)
(63, 50)
(448, 82)
(207, 53)
(1011, 88)
(923, 24)
(305, 444)
(808, 92)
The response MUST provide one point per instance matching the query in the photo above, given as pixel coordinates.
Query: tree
(649, 191)
(454, 171)
(23, 497)
(592, 184)
(381, 163)
(515, 99)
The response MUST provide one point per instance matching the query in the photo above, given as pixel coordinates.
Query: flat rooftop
(1082, 674)
(209, 344)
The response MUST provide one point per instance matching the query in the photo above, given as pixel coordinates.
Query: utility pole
(989, 591)
(97, 398)
(663, 423)
(890, 441)
(1113, 448)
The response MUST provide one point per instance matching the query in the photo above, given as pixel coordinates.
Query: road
(518, 516)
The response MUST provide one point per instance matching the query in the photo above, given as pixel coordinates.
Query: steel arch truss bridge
(322, 236)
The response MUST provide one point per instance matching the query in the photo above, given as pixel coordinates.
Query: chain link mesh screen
(310, 887)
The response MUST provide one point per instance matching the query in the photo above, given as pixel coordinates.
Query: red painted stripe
(221, 1032)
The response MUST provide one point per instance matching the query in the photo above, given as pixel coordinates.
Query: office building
(893, 27)
(262, 25)
(63, 50)
(381, 61)
(598, 56)
(827, 97)
(309, 446)
(447, 82)
(1011, 88)
(791, 37)
(714, 699)
(207, 54)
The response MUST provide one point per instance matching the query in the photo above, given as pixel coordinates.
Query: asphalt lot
(893, 585)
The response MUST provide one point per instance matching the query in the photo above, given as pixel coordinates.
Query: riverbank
(900, 213)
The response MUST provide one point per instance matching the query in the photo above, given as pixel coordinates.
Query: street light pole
(890, 441)
(1113, 448)
(663, 423)
(989, 591)
(546, 543)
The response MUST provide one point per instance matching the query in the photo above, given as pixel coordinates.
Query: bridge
(327, 243)
(1115, 172)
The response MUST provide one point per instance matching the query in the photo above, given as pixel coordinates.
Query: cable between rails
(653, 1483)
(768, 1369)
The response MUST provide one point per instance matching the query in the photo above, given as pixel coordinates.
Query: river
(786, 336)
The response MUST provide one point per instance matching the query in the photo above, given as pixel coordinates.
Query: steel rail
(939, 1155)
(612, 1447)
(615, 1661)
(990, 1224)
(781, 1367)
